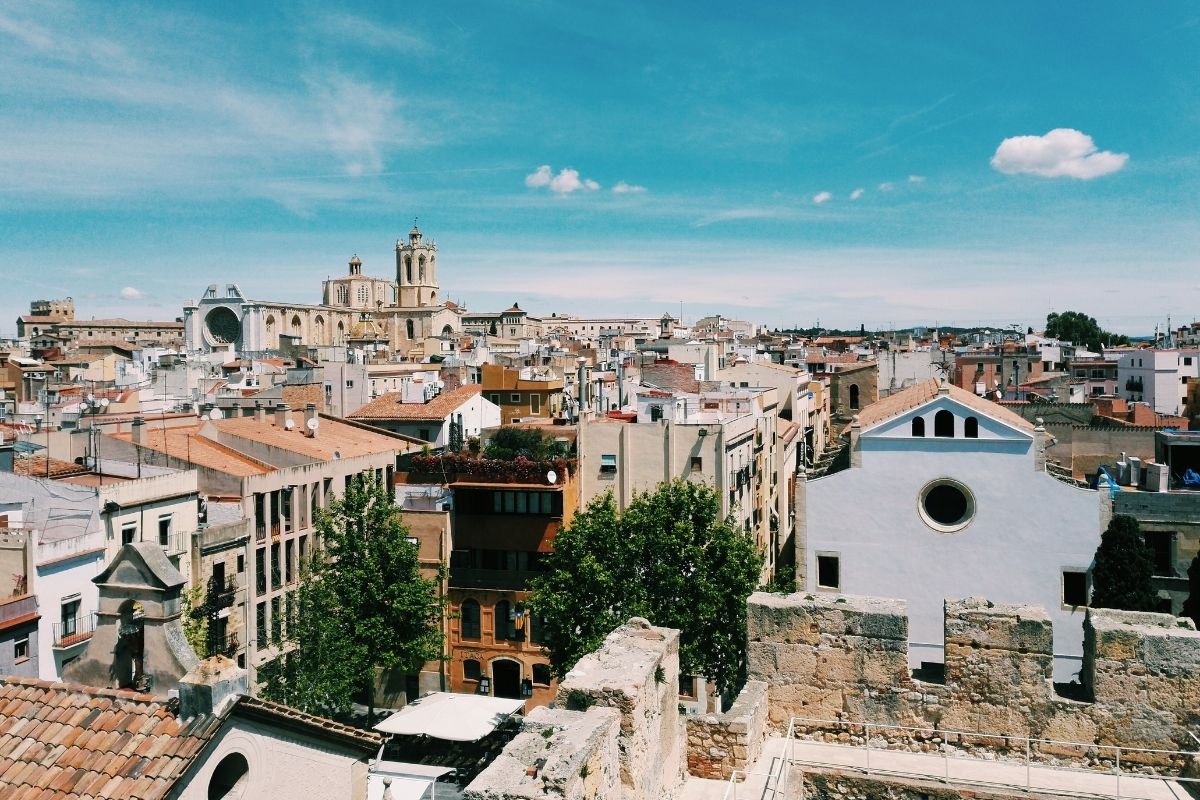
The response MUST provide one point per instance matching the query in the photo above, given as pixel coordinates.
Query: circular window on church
(223, 325)
(946, 505)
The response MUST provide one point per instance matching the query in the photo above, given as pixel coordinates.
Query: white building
(946, 496)
(1157, 377)
(429, 419)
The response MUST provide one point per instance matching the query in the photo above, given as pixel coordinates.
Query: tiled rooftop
(186, 444)
(389, 406)
(333, 436)
(896, 404)
(68, 742)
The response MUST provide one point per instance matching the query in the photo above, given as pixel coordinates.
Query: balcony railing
(511, 580)
(71, 632)
(177, 544)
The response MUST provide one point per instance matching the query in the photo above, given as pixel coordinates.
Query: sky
(838, 164)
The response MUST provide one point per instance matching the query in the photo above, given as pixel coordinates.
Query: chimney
(855, 452)
(260, 412)
(283, 415)
(135, 430)
(209, 685)
(310, 416)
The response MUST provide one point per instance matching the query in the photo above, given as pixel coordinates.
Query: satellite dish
(312, 424)
(289, 424)
(216, 413)
(551, 477)
(204, 417)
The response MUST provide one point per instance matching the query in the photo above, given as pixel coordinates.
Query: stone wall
(615, 732)
(841, 657)
(718, 744)
(829, 784)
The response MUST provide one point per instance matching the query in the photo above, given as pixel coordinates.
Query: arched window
(918, 426)
(229, 778)
(447, 330)
(319, 326)
(854, 397)
(421, 269)
(971, 428)
(943, 424)
(408, 326)
(506, 623)
(470, 619)
(296, 325)
(341, 331)
(270, 323)
(408, 269)
(471, 671)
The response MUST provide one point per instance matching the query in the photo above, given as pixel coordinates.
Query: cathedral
(356, 310)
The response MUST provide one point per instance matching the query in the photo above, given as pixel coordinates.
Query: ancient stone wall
(828, 784)
(573, 753)
(718, 744)
(841, 657)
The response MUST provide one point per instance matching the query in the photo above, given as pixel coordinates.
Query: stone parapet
(719, 744)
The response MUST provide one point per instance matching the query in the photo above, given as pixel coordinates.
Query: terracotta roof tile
(921, 393)
(348, 439)
(99, 753)
(390, 406)
(186, 444)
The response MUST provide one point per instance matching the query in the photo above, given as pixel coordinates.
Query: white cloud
(886, 187)
(130, 293)
(539, 177)
(1063, 152)
(857, 193)
(822, 197)
(916, 178)
(627, 188)
(565, 182)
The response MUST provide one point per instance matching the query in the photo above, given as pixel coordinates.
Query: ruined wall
(841, 657)
(829, 784)
(615, 733)
(718, 744)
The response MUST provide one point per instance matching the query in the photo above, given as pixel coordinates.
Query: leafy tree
(669, 558)
(509, 443)
(1123, 568)
(1079, 328)
(1191, 607)
(362, 606)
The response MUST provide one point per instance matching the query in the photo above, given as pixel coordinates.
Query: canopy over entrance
(455, 717)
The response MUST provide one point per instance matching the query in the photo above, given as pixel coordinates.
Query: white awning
(456, 717)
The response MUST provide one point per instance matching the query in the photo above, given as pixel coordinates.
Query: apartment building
(1158, 377)
(522, 394)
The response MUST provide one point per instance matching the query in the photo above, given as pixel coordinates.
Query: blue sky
(787, 163)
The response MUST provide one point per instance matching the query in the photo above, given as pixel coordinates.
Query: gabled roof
(919, 394)
(150, 562)
(390, 406)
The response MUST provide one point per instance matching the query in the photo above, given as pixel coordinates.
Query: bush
(1123, 568)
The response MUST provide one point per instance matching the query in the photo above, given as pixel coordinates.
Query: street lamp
(93, 406)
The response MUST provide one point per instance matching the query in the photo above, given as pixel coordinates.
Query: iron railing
(76, 630)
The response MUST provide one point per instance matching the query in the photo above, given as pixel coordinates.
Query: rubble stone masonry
(841, 657)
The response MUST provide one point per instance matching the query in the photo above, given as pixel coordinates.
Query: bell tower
(416, 271)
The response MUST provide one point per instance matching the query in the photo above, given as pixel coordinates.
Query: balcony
(508, 580)
(177, 544)
(17, 610)
(71, 632)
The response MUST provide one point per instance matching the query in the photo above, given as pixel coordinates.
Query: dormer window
(918, 427)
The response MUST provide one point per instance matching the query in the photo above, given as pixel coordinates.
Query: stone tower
(416, 271)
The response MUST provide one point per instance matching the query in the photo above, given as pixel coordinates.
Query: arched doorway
(506, 678)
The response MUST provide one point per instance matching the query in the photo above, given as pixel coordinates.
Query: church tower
(416, 271)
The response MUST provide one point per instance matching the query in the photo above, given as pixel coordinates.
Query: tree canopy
(1080, 329)
(670, 558)
(1123, 568)
(362, 606)
(509, 443)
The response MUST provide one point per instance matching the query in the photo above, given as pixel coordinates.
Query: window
(1074, 588)
(494, 397)
(1162, 545)
(943, 424)
(947, 506)
(470, 619)
(241, 563)
(697, 464)
(164, 529)
(918, 427)
(608, 462)
(21, 650)
(829, 572)
(655, 413)
(506, 623)
(1187, 361)
(514, 397)
(853, 397)
(423, 434)
(471, 671)
(69, 616)
(971, 428)
(541, 674)
(128, 533)
(535, 404)
(260, 626)
(536, 626)
(229, 778)
(289, 555)
(276, 620)
(687, 685)
(260, 569)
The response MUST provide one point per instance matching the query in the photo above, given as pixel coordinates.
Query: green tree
(1123, 568)
(1080, 329)
(362, 606)
(1191, 606)
(669, 558)
(510, 442)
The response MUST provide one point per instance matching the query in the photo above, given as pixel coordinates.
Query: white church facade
(946, 496)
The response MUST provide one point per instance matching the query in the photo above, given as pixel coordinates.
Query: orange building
(522, 394)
